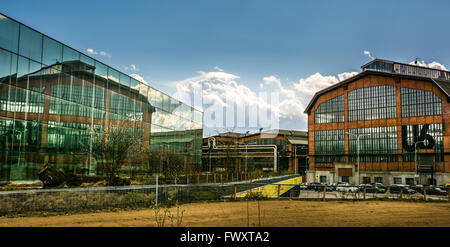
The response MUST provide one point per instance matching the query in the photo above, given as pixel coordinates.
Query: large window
(68, 137)
(329, 146)
(331, 111)
(431, 134)
(417, 102)
(371, 103)
(377, 144)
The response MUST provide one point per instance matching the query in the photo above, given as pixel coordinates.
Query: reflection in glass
(9, 35)
(30, 44)
(50, 100)
(52, 52)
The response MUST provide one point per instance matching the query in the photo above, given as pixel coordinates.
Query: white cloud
(102, 53)
(139, 78)
(131, 67)
(433, 65)
(367, 53)
(221, 92)
(93, 52)
(316, 82)
(218, 69)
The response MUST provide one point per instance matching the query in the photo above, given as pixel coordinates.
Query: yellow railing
(271, 190)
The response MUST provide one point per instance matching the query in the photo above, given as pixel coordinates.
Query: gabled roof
(443, 85)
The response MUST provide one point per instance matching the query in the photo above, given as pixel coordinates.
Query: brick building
(395, 110)
(271, 150)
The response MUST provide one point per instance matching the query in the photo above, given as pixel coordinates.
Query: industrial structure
(52, 97)
(388, 124)
(271, 150)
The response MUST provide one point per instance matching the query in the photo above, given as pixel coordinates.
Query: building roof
(392, 62)
(297, 140)
(443, 85)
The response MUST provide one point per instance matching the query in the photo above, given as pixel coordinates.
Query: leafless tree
(113, 147)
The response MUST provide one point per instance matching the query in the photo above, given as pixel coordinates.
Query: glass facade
(417, 103)
(331, 111)
(52, 96)
(372, 103)
(378, 144)
(329, 145)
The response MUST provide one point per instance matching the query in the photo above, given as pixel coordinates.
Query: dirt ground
(272, 213)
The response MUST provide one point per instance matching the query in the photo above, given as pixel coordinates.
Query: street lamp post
(246, 157)
(415, 158)
(357, 151)
(295, 159)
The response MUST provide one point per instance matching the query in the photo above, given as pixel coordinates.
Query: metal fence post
(156, 196)
(324, 192)
(448, 193)
(214, 178)
(187, 179)
(424, 193)
(207, 177)
(364, 193)
(278, 191)
(235, 191)
(198, 178)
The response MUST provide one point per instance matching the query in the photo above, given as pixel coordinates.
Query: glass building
(52, 96)
(395, 109)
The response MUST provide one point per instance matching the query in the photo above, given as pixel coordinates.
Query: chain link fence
(145, 196)
(135, 196)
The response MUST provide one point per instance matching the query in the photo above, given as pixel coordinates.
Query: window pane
(30, 44)
(9, 34)
(124, 80)
(70, 54)
(86, 59)
(52, 52)
(101, 70)
(5, 68)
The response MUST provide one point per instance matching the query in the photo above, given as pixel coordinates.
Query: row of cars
(376, 188)
(429, 190)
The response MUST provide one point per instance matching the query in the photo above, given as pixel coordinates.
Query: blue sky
(171, 41)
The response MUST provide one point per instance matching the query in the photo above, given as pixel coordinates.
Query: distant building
(395, 109)
(271, 150)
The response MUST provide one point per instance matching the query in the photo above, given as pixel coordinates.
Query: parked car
(418, 188)
(395, 189)
(313, 186)
(304, 186)
(347, 188)
(381, 187)
(320, 186)
(372, 188)
(433, 190)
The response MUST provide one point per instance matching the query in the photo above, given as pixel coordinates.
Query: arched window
(331, 111)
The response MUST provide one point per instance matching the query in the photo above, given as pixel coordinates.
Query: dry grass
(274, 213)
